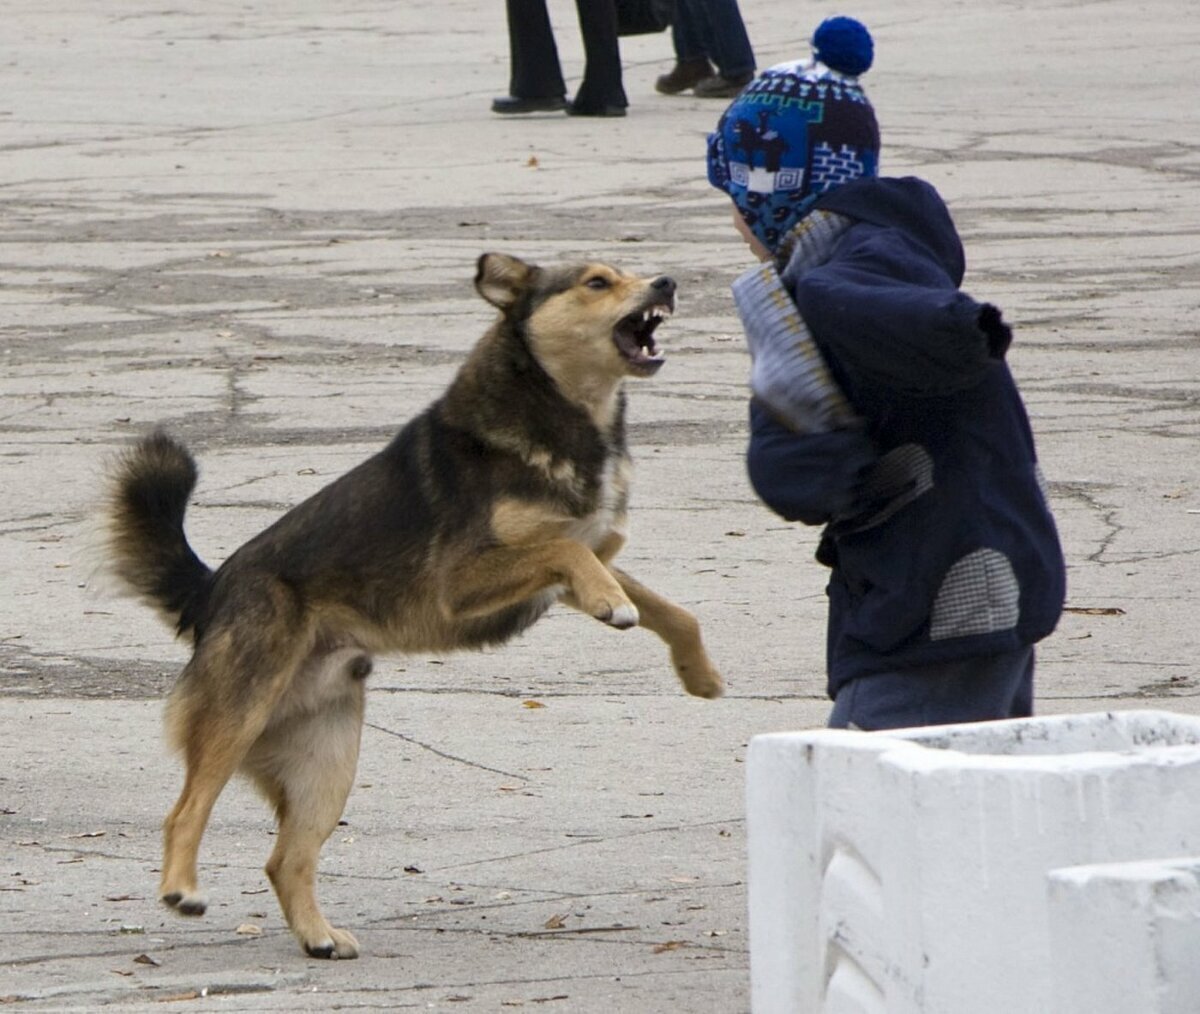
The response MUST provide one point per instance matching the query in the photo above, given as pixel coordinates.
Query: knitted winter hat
(796, 131)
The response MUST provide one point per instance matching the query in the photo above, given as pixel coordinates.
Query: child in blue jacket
(882, 406)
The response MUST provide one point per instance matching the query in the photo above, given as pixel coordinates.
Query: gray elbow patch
(979, 595)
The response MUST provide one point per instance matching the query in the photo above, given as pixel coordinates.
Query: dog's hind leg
(213, 749)
(222, 703)
(305, 766)
(681, 632)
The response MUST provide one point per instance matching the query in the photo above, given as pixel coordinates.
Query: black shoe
(720, 87)
(513, 104)
(575, 109)
(684, 75)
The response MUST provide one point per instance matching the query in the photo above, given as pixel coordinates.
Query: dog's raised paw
(700, 679)
(710, 687)
(623, 617)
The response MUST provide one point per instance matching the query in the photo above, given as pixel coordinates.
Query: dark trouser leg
(725, 41)
(981, 689)
(602, 69)
(688, 31)
(535, 71)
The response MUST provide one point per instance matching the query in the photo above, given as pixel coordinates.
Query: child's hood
(908, 204)
(887, 303)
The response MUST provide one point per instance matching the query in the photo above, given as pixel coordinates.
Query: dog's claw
(338, 945)
(185, 904)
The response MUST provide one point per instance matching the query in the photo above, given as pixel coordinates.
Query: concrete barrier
(907, 871)
(1125, 937)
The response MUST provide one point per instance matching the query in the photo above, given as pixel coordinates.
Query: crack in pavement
(442, 753)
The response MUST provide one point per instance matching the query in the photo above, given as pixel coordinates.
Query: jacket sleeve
(811, 478)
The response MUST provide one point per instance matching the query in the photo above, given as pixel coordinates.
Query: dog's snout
(664, 284)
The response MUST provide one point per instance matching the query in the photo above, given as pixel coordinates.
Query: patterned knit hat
(796, 131)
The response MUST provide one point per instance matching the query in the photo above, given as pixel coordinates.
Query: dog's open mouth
(634, 337)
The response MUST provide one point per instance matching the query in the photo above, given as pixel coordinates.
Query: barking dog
(505, 495)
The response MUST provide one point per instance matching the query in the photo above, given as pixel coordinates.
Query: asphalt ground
(257, 225)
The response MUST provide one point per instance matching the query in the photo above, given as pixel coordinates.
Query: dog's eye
(598, 283)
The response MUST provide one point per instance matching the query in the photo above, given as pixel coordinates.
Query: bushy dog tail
(147, 551)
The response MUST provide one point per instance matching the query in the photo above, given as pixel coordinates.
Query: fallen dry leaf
(532, 704)
(1094, 610)
(555, 922)
(248, 929)
(670, 945)
(533, 162)
(145, 959)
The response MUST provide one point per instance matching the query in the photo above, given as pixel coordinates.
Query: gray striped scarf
(788, 372)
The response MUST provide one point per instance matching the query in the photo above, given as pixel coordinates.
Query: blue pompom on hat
(844, 45)
(798, 130)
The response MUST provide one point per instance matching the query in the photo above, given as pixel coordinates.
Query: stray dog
(505, 495)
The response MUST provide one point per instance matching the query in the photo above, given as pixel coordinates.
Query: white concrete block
(1126, 937)
(905, 871)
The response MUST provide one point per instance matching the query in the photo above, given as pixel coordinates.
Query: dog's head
(584, 321)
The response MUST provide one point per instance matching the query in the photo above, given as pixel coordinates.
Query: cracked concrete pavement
(258, 224)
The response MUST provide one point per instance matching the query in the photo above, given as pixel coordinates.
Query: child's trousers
(965, 690)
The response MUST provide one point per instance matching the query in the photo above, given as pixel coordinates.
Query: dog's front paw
(622, 617)
(333, 944)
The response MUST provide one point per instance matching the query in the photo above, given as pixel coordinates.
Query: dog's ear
(501, 279)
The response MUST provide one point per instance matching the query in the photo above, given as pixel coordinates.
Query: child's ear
(501, 279)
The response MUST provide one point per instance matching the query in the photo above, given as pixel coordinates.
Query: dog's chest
(611, 499)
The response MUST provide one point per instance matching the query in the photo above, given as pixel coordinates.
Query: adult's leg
(601, 89)
(535, 72)
(981, 689)
(724, 38)
(688, 32)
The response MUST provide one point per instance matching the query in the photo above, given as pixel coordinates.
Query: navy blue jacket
(938, 531)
